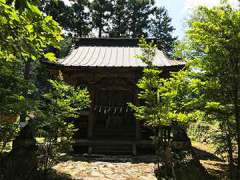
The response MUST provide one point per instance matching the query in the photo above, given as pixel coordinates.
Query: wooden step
(113, 149)
(114, 133)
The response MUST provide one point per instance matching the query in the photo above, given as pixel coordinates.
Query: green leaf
(3, 20)
(29, 27)
(214, 105)
(34, 9)
(15, 16)
(33, 57)
(50, 56)
(48, 18)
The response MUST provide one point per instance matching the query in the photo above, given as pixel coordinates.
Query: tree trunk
(238, 139)
(27, 71)
(100, 32)
(235, 88)
(23, 115)
(230, 155)
(100, 26)
(236, 113)
(225, 127)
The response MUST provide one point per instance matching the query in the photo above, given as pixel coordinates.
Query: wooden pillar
(138, 127)
(138, 130)
(90, 129)
(90, 123)
(134, 149)
(91, 118)
(137, 136)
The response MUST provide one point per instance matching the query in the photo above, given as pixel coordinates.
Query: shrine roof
(112, 52)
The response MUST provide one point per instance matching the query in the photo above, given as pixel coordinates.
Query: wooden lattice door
(112, 111)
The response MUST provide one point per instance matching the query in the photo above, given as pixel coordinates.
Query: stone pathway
(94, 169)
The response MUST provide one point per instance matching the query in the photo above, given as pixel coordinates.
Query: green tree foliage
(165, 99)
(119, 19)
(59, 103)
(213, 43)
(26, 36)
(26, 33)
(81, 25)
(101, 11)
(221, 72)
(59, 11)
(166, 103)
(20, 4)
(66, 46)
(75, 19)
(12, 86)
(9, 130)
(116, 18)
(161, 29)
(139, 12)
(113, 18)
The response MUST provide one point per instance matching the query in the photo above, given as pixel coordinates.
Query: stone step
(108, 149)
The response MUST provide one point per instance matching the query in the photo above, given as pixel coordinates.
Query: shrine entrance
(113, 117)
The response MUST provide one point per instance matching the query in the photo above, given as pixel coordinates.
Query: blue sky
(180, 10)
(178, 13)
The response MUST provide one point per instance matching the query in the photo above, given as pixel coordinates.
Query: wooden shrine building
(110, 70)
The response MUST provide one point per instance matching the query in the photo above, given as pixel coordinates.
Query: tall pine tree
(161, 29)
(119, 19)
(75, 18)
(113, 18)
(101, 11)
(81, 25)
(59, 11)
(139, 12)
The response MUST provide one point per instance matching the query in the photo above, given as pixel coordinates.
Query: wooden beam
(113, 142)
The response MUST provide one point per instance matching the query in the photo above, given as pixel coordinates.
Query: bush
(202, 131)
(8, 131)
(59, 103)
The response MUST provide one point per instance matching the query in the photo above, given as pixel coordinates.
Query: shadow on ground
(109, 158)
(204, 155)
(51, 175)
(215, 166)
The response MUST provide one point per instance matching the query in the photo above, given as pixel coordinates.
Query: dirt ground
(133, 168)
(213, 164)
(109, 168)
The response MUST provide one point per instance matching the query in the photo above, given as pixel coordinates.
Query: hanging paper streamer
(121, 108)
(115, 110)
